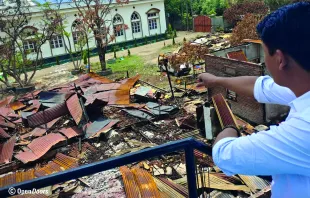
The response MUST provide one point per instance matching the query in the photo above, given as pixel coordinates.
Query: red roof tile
(47, 115)
(237, 55)
(6, 150)
(71, 132)
(75, 108)
(3, 134)
(39, 147)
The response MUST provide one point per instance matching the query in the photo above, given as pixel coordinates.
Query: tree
(21, 42)
(236, 12)
(214, 7)
(96, 15)
(245, 29)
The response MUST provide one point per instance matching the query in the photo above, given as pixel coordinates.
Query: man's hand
(207, 80)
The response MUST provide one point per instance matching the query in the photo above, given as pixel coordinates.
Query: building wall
(252, 51)
(245, 107)
(125, 11)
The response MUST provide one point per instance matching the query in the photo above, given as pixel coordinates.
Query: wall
(141, 7)
(245, 107)
(252, 51)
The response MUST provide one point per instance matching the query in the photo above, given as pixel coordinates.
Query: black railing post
(190, 171)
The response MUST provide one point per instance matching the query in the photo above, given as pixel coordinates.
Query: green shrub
(129, 53)
(135, 43)
(57, 60)
(85, 56)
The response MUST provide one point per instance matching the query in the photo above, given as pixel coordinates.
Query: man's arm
(281, 150)
(263, 88)
(229, 132)
(243, 85)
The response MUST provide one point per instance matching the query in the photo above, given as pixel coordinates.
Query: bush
(245, 29)
(184, 39)
(85, 56)
(114, 51)
(57, 60)
(145, 40)
(129, 53)
(220, 29)
(135, 43)
(156, 37)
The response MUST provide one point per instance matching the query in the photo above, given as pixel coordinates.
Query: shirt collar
(301, 103)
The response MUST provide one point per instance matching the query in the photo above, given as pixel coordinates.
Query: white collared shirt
(282, 152)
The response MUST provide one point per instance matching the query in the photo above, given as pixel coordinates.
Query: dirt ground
(61, 73)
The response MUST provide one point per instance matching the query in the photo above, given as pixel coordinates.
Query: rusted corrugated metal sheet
(146, 183)
(6, 101)
(131, 187)
(60, 163)
(254, 183)
(178, 188)
(106, 128)
(17, 105)
(47, 115)
(252, 41)
(39, 147)
(6, 150)
(237, 55)
(71, 132)
(74, 152)
(40, 131)
(131, 81)
(48, 169)
(75, 108)
(65, 161)
(3, 134)
(166, 190)
(16, 177)
(224, 113)
(5, 111)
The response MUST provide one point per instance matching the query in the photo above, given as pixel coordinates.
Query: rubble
(94, 118)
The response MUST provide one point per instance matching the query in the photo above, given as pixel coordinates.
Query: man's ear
(281, 59)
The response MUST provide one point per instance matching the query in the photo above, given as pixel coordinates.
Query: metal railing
(188, 145)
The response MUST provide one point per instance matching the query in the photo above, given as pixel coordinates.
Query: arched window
(27, 34)
(153, 18)
(77, 31)
(135, 22)
(118, 25)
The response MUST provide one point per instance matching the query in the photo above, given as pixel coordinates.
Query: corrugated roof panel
(40, 131)
(75, 109)
(106, 128)
(254, 183)
(6, 150)
(178, 188)
(16, 177)
(65, 161)
(39, 147)
(237, 55)
(71, 132)
(48, 169)
(223, 111)
(96, 126)
(47, 115)
(167, 190)
(145, 182)
(3, 134)
(6, 101)
(5, 111)
(17, 105)
(131, 187)
(53, 97)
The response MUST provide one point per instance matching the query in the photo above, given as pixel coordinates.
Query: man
(284, 150)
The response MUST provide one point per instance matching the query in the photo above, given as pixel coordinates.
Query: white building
(144, 18)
